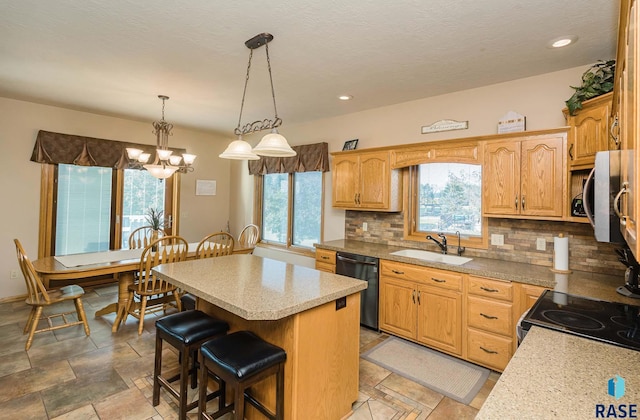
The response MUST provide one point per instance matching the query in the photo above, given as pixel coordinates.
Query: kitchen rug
(442, 373)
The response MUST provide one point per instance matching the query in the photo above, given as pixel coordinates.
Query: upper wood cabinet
(524, 178)
(589, 132)
(625, 105)
(365, 181)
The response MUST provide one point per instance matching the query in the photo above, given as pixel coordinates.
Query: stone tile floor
(66, 375)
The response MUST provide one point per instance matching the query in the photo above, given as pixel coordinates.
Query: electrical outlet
(541, 244)
(497, 239)
(364, 226)
(13, 274)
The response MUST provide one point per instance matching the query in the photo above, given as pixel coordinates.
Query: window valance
(310, 157)
(57, 148)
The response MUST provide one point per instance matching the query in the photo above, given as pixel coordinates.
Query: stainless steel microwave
(598, 196)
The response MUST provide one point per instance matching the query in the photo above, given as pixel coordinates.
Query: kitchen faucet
(460, 248)
(443, 244)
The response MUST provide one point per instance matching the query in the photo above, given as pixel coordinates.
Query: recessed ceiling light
(345, 97)
(562, 41)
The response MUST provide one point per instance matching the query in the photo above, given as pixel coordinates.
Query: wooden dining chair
(143, 236)
(150, 293)
(38, 297)
(215, 245)
(247, 240)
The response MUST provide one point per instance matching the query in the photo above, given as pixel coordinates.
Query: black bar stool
(186, 331)
(240, 360)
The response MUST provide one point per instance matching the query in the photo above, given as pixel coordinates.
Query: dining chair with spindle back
(38, 297)
(215, 245)
(150, 293)
(247, 240)
(143, 236)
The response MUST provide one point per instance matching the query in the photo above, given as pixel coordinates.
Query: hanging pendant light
(273, 144)
(165, 163)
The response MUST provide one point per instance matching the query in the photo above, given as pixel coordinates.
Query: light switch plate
(497, 239)
(541, 244)
(364, 226)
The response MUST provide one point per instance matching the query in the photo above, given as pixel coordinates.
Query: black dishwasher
(362, 268)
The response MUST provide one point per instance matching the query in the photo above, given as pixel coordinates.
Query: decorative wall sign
(205, 187)
(512, 122)
(350, 144)
(445, 125)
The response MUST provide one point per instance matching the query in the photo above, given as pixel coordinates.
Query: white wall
(20, 178)
(540, 99)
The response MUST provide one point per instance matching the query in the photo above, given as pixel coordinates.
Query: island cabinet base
(321, 371)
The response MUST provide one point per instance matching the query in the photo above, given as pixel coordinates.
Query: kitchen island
(314, 316)
(562, 376)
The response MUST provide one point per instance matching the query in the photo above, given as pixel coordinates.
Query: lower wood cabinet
(326, 260)
(467, 316)
(422, 304)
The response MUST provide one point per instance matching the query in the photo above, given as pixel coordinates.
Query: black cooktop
(610, 322)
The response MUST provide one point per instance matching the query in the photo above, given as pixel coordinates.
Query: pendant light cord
(244, 93)
(273, 92)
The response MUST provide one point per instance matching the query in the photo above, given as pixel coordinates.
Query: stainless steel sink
(432, 256)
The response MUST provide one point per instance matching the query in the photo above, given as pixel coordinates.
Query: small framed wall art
(350, 144)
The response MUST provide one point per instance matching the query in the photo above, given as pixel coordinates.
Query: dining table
(122, 264)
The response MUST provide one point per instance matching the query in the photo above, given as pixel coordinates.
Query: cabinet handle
(488, 316)
(488, 351)
(486, 289)
(358, 195)
(324, 257)
(397, 272)
(522, 203)
(438, 280)
(419, 297)
(571, 151)
(355, 198)
(616, 203)
(614, 125)
(516, 201)
(413, 296)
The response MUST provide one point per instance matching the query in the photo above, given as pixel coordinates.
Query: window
(292, 208)
(447, 198)
(93, 208)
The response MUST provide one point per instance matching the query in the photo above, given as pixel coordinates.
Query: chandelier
(273, 144)
(165, 163)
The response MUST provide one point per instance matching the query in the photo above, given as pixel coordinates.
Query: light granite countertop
(580, 283)
(561, 376)
(257, 288)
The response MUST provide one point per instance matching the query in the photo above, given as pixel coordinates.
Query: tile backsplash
(585, 253)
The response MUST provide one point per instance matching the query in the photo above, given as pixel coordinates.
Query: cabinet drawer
(487, 349)
(423, 275)
(326, 256)
(493, 289)
(329, 268)
(490, 315)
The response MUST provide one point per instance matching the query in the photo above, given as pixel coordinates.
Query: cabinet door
(589, 132)
(374, 181)
(398, 307)
(345, 180)
(440, 319)
(542, 177)
(501, 178)
(528, 296)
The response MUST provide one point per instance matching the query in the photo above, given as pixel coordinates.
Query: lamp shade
(161, 171)
(275, 145)
(239, 150)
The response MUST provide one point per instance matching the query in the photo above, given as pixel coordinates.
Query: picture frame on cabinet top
(350, 144)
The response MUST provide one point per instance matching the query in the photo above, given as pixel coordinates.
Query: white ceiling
(114, 57)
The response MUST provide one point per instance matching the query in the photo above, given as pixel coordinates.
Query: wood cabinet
(326, 260)
(588, 132)
(490, 322)
(525, 178)
(625, 108)
(528, 296)
(422, 304)
(365, 181)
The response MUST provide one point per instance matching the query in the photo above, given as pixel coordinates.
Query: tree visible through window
(292, 208)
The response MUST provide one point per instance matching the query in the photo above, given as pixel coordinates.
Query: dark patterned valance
(57, 148)
(310, 157)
